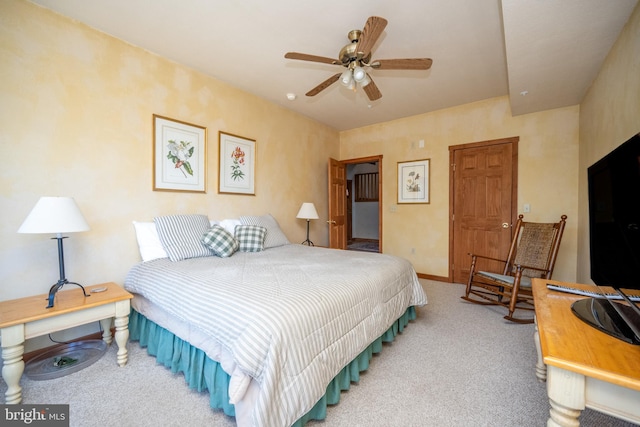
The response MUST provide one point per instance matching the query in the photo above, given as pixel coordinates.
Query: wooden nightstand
(25, 318)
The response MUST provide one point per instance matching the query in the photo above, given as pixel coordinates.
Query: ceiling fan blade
(372, 90)
(325, 84)
(373, 28)
(402, 64)
(312, 58)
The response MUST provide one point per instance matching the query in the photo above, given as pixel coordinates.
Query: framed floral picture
(237, 164)
(413, 181)
(179, 156)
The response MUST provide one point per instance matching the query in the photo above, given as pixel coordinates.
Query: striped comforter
(290, 317)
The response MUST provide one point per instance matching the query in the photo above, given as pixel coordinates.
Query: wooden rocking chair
(533, 253)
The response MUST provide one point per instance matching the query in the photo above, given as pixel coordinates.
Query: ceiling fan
(356, 56)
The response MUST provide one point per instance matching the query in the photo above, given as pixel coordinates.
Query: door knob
(331, 222)
(505, 225)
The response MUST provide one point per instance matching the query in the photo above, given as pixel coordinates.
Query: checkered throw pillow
(250, 237)
(275, 236)
(221, 242)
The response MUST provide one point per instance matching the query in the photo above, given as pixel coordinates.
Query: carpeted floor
(457, 364)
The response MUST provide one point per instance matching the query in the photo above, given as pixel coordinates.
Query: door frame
(349, 209)
(369, 159)
(514, 186)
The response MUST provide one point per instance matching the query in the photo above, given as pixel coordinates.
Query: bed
(273, 331)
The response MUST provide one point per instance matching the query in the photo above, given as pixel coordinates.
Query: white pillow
(230, 225)
(148, 241)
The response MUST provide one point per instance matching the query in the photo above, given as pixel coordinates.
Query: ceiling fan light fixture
(366, 80)
(352, 86)
(346, 78)
(359, 75)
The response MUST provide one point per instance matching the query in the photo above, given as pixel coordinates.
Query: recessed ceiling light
(524, 93)
(291, 96)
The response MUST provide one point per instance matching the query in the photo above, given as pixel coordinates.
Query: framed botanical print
(179, 156)
(413, 181)
(237, 164)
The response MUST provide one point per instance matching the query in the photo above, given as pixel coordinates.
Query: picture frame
(179, 156)
(413, 181)
(237, 164)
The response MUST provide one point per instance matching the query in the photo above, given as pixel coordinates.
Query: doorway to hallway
(355, 204)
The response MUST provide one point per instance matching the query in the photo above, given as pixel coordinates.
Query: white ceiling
(550, 49)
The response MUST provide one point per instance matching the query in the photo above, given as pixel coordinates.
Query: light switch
(527, 208)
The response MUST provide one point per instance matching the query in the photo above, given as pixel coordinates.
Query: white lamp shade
(54, 215)
(307, 211)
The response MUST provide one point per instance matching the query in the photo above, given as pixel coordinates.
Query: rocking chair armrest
(487, 257)
(526, 267)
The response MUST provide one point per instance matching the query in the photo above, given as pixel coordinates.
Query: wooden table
(25, 318)
(583, 366)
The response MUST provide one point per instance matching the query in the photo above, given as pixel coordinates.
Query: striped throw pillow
(180, 235)
(250, 237)
(220, 241)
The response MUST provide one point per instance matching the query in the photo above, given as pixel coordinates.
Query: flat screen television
(614, 217)
(614, 240)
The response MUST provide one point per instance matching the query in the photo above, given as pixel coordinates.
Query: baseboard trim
(432, 277)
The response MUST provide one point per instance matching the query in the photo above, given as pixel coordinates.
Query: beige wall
(548, 169)
(76, 121)
(609, 115)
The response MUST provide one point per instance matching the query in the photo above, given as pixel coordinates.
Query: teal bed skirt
(203, 373)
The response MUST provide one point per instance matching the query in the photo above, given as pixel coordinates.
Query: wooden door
(484, 189)
(349, 217)
(337, 204)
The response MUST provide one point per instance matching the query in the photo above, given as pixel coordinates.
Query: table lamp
(56, 215)
(307, 211)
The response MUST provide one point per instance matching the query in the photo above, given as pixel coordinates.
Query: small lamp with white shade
(307, 211)
(56, 215)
